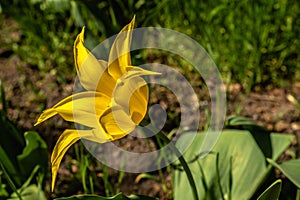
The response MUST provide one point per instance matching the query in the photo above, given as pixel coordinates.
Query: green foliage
(34, 153)
(254, 42)
(49, 28)
(21, 158)
(290, 169)
(119, 196)
(11, 140)
(45, 39)
(236, 167)
(29, 193)
(271, 192)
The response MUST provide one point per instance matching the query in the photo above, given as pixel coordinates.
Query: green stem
(10, 182)
(183, 163)
(218, 177)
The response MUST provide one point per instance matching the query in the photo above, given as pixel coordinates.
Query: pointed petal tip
(40, 119)
(137, 71)
(80, 36)
(133, 19)
(48, 113)
(54, 174)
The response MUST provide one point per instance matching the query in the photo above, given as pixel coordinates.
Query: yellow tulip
(115, 100)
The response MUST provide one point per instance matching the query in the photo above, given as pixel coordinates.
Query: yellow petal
(119, 56)
(106, 83)
(132, 71)
(64, 142)
(98, 135)
(138, 104)
(89, 69)
(66, 139)
(116, 122)
(131, 93)
(80, 51)
(84, 108)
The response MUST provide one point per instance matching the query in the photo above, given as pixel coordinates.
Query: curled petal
(89, 69)
(138, 104)
(80, 51)
(116, 122)
(84, 108)
(66, 139)
(131, 93)
(64, 142)
(119, 56)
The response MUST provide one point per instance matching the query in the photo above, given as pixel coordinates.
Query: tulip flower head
(113, 103)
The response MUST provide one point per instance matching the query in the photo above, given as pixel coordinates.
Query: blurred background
(254, 43)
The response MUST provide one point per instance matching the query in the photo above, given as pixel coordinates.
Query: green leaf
(242, 165)
(34, 153)
(9, 181)
(291, 169)
(260, 134)
(141, 197)
(239, 121)
(32, 175)
(78, 19)
(29, 193)
(3, 192)
(271, 192)
(119, 196)
(11, 142)
(7, 163)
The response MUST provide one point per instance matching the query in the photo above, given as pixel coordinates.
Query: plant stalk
(182, 162)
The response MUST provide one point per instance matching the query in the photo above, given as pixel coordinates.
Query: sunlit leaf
(119, 196)
(242, 165)
(29, 193)
(291, 169)
(259, 133)
(271, 192)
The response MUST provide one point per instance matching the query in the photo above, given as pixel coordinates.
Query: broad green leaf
(34, 153)
(30, 193)
(260, 134)
(242, 165)
(7, 163)
(271, 192)
(291, 169)
(11, 142)
(119, 196)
